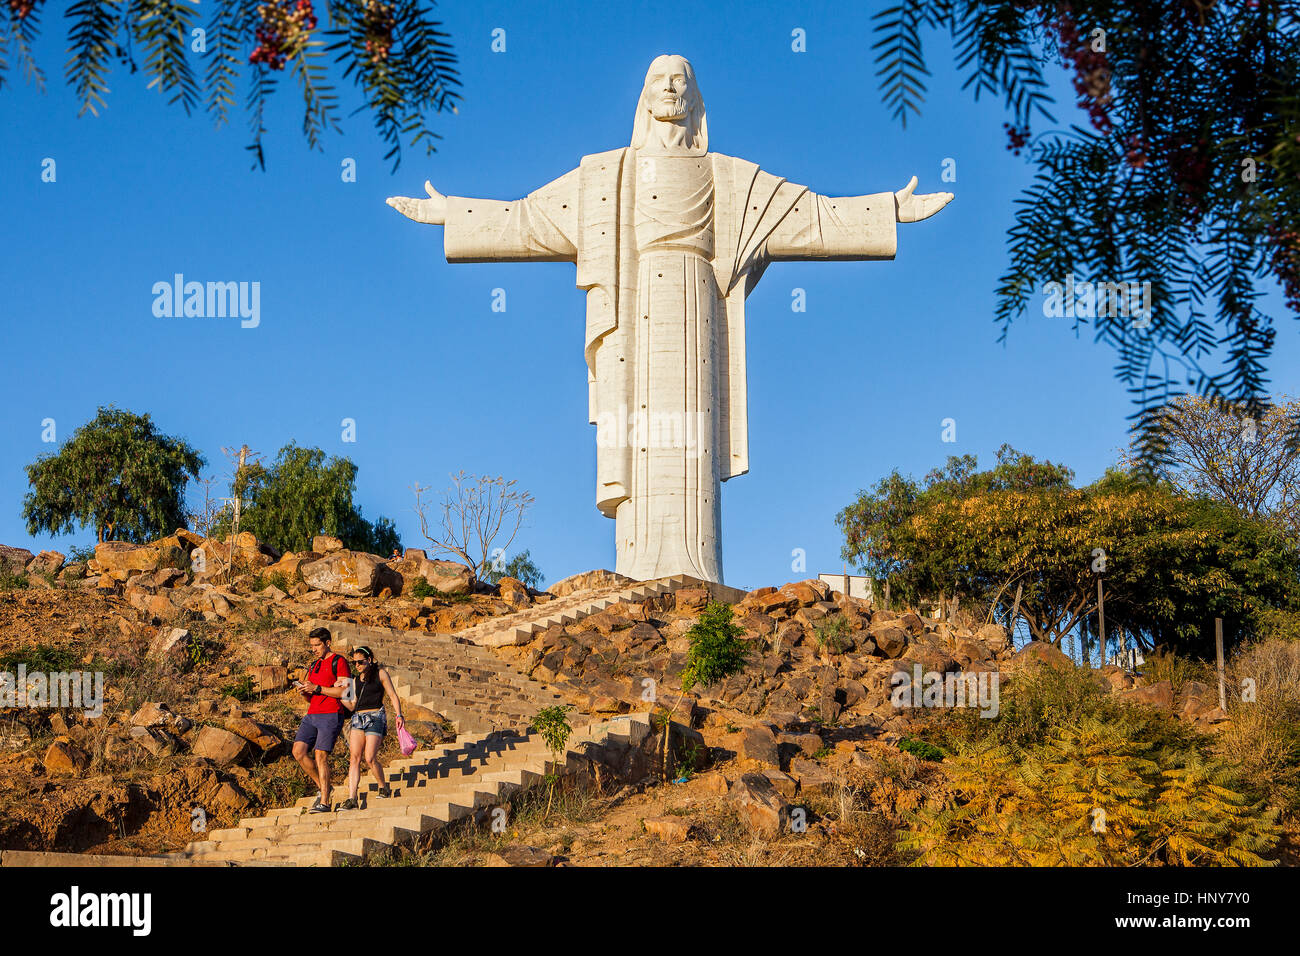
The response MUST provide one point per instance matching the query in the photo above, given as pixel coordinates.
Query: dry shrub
(1262, 737)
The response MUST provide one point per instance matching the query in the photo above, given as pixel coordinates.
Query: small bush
(276, 578)
(46, 658)
(920, 749)
(716, 651)
(12, 581)
(241, 688)
(832, 633)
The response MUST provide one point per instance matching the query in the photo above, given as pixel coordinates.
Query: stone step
(290, 838)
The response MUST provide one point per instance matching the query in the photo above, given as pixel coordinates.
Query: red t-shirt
(323, 673)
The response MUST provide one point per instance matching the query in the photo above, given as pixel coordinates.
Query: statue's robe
(667, 256)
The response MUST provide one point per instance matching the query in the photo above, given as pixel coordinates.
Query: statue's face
(669, 92)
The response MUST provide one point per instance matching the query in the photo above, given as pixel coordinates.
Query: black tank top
(370, 693)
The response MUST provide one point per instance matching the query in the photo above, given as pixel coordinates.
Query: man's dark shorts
(320, 731)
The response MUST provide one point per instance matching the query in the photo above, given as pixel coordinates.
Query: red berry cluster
(379, 23)
(1091, 74)
(20, 8)
(1017, 137)
(1285, 262)
(283, 31)
(1135, 151)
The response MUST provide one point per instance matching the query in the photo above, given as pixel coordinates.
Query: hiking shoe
(319, 807)
(348, 804)
(385, 792)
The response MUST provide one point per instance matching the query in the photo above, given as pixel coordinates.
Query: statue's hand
(432, 210)
(911, 208)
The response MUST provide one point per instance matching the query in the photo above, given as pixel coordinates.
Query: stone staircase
(518, 627)
(431, 790)
(468, 685)
(488, 703)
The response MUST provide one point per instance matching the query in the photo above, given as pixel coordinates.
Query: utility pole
(1218, 653)
(1015, 613)
(1101, 622)
(236, 500)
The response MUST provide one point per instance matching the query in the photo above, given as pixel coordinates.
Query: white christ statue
(668, 239)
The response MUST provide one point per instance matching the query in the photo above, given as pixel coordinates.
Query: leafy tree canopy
(1170, 563)
(302, 495)
(1186, 177)
(118, 475)
(1247, 463)
(393, 51)
(521, 567)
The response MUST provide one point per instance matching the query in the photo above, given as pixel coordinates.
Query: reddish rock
(220, 746)
(890, 639)
(1160, 694)
(669, 829)
(14, 560)
(1041, 653)
(760, 806)
(65, 757)
(121, 559)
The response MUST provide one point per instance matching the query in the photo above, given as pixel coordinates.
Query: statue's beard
(669, 110)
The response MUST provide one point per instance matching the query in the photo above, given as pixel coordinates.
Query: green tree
(1185, 176)
(1171, 564)
(521, 567)
(117, 474)
(302, 495)
(395, 53)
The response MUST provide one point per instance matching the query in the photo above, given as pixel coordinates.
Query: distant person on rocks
(325, 685)
(369, 723)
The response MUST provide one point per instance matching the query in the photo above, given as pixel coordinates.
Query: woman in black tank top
(369, 723)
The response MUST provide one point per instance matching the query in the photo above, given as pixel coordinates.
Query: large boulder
(290, 565)
(759, 805)
(349, 573)
(1041, 654)
(121, 559)
(994, 637)
(448, 577)
(64, 756)
(171, 645)
(758, 747)
(514, 593)
(326, 544)
(589, 580)
(14, 560)
(1160, 694)
(220, 746)
(889, 638)
(47, 562)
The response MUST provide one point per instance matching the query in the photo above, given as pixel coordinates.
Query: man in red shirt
(324, 721)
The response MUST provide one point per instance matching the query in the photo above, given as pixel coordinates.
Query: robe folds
(666, 501)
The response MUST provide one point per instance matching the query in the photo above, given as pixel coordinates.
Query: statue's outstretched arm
(910, 208)
(432, 210)
(541, 227)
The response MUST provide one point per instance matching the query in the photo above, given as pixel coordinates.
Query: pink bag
(406, 742)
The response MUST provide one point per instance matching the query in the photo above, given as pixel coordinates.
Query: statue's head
(671, 96)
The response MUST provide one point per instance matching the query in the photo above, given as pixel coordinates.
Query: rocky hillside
(199, 647)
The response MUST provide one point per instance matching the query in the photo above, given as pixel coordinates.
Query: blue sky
(362, 318)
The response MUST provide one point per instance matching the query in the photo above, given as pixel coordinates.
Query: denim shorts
(320, 731)
(373, 723)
